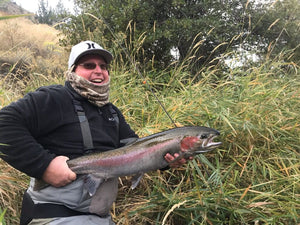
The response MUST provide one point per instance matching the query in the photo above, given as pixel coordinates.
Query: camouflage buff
(96, 94)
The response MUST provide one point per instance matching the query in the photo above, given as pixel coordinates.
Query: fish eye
(203, 136)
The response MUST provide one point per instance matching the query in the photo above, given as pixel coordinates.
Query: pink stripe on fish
(131, 156)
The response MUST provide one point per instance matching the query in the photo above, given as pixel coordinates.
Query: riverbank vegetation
(253, 178)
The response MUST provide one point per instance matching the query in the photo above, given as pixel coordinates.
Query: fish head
(199, 140)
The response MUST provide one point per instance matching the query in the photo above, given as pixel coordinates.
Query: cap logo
(91, 45)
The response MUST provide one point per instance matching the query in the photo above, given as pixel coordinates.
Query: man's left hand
(176, 163)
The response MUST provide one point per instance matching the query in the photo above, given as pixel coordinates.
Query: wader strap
(88, 145)
(84, 125)
(48, 210)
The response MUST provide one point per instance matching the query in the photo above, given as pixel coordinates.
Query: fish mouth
(207, 144)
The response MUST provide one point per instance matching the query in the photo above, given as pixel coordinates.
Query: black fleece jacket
(44, 124)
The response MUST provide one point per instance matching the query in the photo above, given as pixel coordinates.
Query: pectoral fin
(91, 183)
(135, 180)
(39, 185)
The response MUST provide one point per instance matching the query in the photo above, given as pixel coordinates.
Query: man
(41, 131)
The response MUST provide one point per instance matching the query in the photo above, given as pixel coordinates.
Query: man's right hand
(58, 173)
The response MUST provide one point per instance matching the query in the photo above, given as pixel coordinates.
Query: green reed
(252, 179)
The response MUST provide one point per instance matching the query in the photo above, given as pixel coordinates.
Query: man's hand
(177, 163)
(58, 173)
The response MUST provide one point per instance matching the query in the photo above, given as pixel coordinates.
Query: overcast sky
(33, 5)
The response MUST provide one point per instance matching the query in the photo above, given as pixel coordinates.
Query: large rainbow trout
(144, 155)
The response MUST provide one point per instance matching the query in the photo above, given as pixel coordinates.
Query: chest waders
(48, 210)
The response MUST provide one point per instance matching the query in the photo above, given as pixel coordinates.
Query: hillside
(11, 8)
(26, 47)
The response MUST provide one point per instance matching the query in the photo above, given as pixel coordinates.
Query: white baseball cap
(85, 48)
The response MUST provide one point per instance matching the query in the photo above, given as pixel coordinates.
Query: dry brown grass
(12, 186)
(29, 57)
(23, 33)
(29, 51)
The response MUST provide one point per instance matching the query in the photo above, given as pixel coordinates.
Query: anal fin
(135, 180)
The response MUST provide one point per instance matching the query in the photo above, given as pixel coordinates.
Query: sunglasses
(92, 66)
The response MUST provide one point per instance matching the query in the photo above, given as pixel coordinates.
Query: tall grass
(29, 57)
(252, 179)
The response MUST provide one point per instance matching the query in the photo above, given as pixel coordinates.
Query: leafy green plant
(2, 222)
